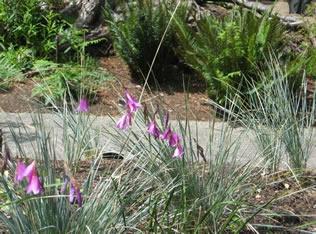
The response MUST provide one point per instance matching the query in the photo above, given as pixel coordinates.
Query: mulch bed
(292, 199)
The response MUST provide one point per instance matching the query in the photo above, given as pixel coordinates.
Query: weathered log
(290, 21)
(88, 13)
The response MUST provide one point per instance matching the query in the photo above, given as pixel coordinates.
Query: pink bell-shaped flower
(178, 152)
(35, 185)
(19, 172)
(166, 134)
(29, 172)
(174, 139)
(132, 104)
(153, 129)
(83, 105)
(125, 121)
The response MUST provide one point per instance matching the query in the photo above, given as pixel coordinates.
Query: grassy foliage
(226, 52)
(282, 119)
(150, 191)
(137, 35)
(185, 196)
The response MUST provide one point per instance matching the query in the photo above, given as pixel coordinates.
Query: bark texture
(88, 13)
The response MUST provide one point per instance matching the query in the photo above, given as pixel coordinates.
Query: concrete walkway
(23, 126)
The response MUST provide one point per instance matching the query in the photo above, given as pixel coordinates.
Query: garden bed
(171, 96)
(289, 200)
(249, 63)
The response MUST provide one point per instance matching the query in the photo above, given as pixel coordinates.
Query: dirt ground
(170, 97)
(292, 202)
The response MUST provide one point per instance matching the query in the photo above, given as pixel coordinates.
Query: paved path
(20, 123)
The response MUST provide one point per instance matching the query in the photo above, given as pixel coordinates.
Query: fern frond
(8, 73)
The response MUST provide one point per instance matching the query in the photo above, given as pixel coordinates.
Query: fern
(8, 73)
(137, 35)
(226, 53)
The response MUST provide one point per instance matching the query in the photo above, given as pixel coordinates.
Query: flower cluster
(35, 185)
(30, 173)
(168, 135)
(132, 105)
(173, 139)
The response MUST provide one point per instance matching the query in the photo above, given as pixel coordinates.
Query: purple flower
(29, 171)
(178, 152)
(174, 139)
(125, 121)
(35, 185)
(166, 134)
(19, 171)
(170, 136)
(24, 171)
(132, 104)
(79, 198)
(83, 105)
(152, 129)
(64, 187)
(74, 192)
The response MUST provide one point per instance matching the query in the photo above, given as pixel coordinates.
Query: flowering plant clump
(173, 139)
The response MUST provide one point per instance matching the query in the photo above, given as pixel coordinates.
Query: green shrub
(226, 53)
(22, 57)
(57, 82)
(29, 24)
(138, 33)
